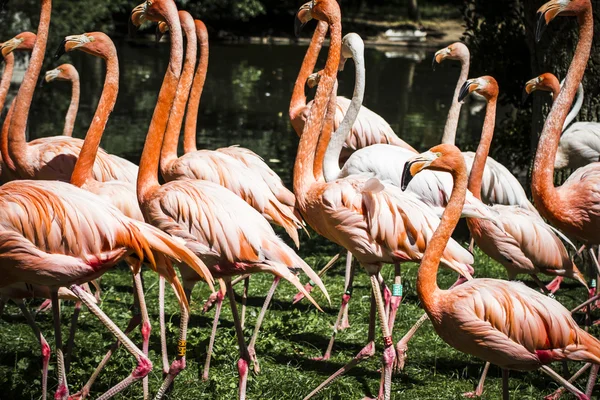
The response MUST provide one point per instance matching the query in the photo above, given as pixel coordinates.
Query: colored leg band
(387, 341)
(181, 348)
(397, 290)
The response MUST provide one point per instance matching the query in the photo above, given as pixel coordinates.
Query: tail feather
(285, 217)
(286, 274)
(173, 248)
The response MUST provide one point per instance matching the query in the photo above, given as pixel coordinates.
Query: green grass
(290, 336)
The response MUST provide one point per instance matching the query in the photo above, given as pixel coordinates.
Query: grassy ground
(290, 336)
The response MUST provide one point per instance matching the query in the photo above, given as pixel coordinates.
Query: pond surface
(247, 94)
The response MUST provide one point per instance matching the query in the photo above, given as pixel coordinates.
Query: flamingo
(230, 236)
(523, 243)
(229, 171)
(51, 158)
(579, 143)
(503, 322)
(433, 189)
(22, 42)
(369, 128)
(67, 72)
(376, 222)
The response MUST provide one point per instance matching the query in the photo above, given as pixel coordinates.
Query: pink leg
(367, 352)
(71, 339)
(479, 389)
(471, 245)
(349, 280)
(43, 343)
(555, 284)
(389, 352)
(145, 328)
(162, 325)
(345, 299)
(244, 359)
(45, 306)
(244, 300)
(402, 345)
(62, 393)
(85, 391)
(578, 393)
(592, 380)
(396, 295)
(259, 320)
(311, 285)
(144, 365)
(178, 364)
(559, 392)
(211, 342)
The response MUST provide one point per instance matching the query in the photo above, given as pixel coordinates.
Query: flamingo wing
(579, 145)
(53, 158)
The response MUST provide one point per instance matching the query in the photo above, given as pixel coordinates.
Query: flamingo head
(97, 44)
(456, 51)
(547, 12)
(485, 86)
(151, 10)
(323, 10)
(352, 47)
(64, 72)
(546, 82)
(443, 157)
(23, 41)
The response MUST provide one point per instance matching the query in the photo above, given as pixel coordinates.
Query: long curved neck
(168, 153)
(8, 162)
(331, 165)
(575, 109)
(73, 107)
(298, 101)
(427, 287)
(147, 182)
(9, 65)
(451, 126)
(82, 172)
(304, 165)
(483, 149)
(191, 118)
(542, 184)
(17, 142)
(325, 133)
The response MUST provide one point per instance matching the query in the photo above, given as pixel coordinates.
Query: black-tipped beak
(158, 34)
(541, 26)
(42, 80)
(131, 28)
(60, 50)
(298, 25)
(464, 91)
(406, 175)
(524, 97)
(433, 63)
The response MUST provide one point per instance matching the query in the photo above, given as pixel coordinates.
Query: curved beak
(467, 88)
(50, 76)
(439, 56)
(530, 86)
(302, 17)
(61, 50)
(545, 14)
(414, 165)
(158, 34)
(7, 47)
(137, 18)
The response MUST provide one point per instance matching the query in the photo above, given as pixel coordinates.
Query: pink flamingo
(52, 157)
(233, 168)
(522, 242)
(67, 72)
(505, 323)
(221, 228)
(579, 143)
(376, 222)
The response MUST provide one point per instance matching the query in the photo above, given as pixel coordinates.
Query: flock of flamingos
(69, 211)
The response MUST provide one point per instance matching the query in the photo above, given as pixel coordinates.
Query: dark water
(247, 95)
